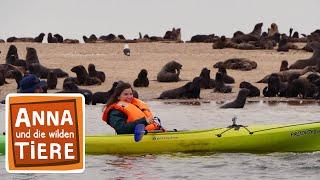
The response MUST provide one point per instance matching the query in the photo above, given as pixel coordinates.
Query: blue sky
(74, 18)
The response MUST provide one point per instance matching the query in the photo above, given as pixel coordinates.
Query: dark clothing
(118, 120)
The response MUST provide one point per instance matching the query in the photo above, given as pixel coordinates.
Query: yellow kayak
(252, 139)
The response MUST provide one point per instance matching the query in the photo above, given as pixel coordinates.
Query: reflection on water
(199, 115)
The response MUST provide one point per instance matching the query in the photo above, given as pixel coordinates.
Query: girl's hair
(118, 90)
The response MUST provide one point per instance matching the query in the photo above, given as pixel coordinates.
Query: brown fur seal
(13, 57)
(71, 41)
(71, 87)
(190, 90)
(206, 81)
(94, 73)
(226, 78)
(52, 80)
(237, 63)
(52, 39)
(285, 75)
(92, 39)
(83, 77)
(59, 38)
(239, 102)
(273, 30)
(31, 56)
(39, 38)
(253, 36)
(220, 86)
(170, 72)
(142, 80)
(103, 97)
(42, 71)
(312, 61)
(284, 65)
(254, 91)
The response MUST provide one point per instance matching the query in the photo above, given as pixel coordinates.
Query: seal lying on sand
(237, 63)
(83, 77)
(189, 91)
(42, 71)
(285, 75)
(170, 72)
(240, 101)
(312, 61)
(94, 73)
(142, 80)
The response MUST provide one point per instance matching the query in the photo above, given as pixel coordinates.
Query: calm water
(199, 166)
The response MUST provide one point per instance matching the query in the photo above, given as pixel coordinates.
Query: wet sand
(108, 57)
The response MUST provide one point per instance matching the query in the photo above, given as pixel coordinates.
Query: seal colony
(190, 70)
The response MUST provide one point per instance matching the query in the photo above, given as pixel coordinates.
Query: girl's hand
(150, 120)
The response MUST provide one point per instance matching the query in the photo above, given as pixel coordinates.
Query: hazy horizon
(127, 17)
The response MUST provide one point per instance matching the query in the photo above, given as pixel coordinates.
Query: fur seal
(83, 77)
(239, 102)
(220, 86)
(204, 38)
(302, 87)
(52, 80)
(42, 71)
(284, 65)
(52, 39)
(226, 78)
(13, 57)
(94, 73)
(273, 30)
(252, 36)
(254, 91)
(237, 63)
(170, 72)
(285, 75)
(71, 41)
(312, 61)
(189, 91)
(17, 76)
(275, 87)
(206, 81)
(92, 38)
(142, 80)
(59, 38)
(39, 38)
(32, 56)
(103, 97)
(71, 87)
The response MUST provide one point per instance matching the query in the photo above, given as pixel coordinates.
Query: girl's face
(126, 95)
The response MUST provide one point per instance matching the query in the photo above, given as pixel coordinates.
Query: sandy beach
(108, 57)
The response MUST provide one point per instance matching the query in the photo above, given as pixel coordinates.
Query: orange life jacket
(135, 110)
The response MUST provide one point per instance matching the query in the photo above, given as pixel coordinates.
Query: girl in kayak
(123, 112)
